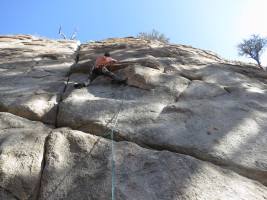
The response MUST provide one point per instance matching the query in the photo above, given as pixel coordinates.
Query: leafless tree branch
(74, 34)
(59, 32)
(64, 36)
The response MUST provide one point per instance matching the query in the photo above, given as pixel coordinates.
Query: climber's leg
(115, 77)
(93, 74)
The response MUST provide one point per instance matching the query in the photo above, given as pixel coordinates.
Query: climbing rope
(116, 116)
(113, 150)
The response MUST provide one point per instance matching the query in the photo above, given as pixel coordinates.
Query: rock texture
(32, 75)
(192, 125)
(21, 156)
(78, 167)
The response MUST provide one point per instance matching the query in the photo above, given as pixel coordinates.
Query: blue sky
(215, 25)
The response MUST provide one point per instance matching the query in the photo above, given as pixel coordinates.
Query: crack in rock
(66, 85)
(150, 126)
(82, 159)
(10, 193)
(43, 165)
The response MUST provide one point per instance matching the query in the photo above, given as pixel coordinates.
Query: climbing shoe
(123, 81)
(79, 85)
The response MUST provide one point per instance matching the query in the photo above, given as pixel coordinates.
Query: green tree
(153, 35)
(252, 47)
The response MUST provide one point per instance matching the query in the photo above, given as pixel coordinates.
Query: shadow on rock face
(191, 123)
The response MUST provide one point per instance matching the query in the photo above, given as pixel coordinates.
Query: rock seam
(10, 193)
(152, 147)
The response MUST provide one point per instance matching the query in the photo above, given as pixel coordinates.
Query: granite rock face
(78, 167)
(191, 125)
(178, 98)
(33, 75)
(21, 157)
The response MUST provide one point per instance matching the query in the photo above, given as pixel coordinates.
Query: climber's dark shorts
(103, 71)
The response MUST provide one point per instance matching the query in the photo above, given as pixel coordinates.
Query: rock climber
(100, 68)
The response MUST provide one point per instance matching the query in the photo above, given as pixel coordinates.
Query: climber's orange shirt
(104, 61)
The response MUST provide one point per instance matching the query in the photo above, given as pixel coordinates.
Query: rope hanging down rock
(113, 150)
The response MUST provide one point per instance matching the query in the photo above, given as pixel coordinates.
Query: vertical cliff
(192, 124)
